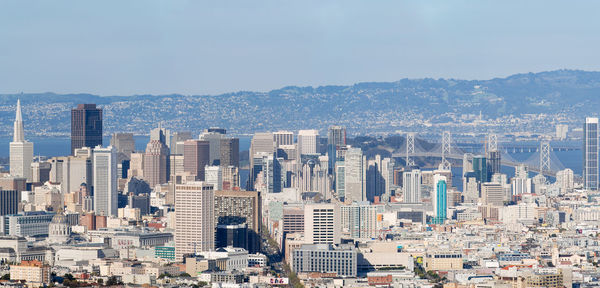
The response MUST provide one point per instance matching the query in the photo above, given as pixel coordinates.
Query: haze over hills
(523, 102)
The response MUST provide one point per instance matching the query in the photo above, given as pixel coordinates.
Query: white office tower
(590, 154)
(561, 131)
(521, 186)
(322, 223)
(412, 186)
(214, 146)
(355, 176)
(214, 176)
(359, 220)
(308, 141)
(21, 151)
(105, 180)
(387, 173)
(195, 219)
(284, 138)
(565, 180)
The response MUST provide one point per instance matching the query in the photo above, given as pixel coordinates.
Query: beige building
(33, 272)
(322, 223)
(194, 222)
(443, 260)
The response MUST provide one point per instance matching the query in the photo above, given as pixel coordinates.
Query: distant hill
(407, 104)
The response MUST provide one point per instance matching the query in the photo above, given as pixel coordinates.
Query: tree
(5, 276)
(184, 274)
(113, 281)
(69, 276)
(100, 281)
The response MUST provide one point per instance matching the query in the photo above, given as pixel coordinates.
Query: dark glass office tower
(86, 126)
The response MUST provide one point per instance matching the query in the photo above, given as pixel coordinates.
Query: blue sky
(201, 47)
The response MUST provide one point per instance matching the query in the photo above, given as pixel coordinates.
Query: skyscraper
(336, 137)
(494, 162)
(355, 174)
(86, 126)
(590, 154)
(195, 221)
(213, 175)
(21, 151)
(237, 207)
(9, 202)
(307, 141)
(196, 155)
(156, 159)
(230, 152)
(214, 143)
(440, 199)
(480, 168)
(283, 138)
(412, 186)
(261, 142)
(124, 143)
(322, 223)
(105, 181)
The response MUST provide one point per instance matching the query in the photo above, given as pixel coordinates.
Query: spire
(19, 134)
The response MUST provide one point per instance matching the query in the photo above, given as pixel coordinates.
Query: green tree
(5, 276)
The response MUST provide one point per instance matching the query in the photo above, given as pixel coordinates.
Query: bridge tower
(410, 149)
(446, 147)
(544, 156)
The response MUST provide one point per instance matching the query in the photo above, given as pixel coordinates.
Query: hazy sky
(200, 47)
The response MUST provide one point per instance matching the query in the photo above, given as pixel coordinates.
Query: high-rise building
(105, 181)
(161, 134)
(565, 180)
(336, 138)
(590, 154)
(561, 131)
(307, 141)
(196, 156)
(9, 202)
(283, 138)
(480, 168)
(494, 162)
(492, 194)
(340, 179)
(156, 163)
(177, 141)
(238, 207)
(355, 174)
(71, 172)
(360, 219)
(124, 143)
(439, 199)
(195, 218)
(261, 143)
(231, 177)
(176, 164)
(86, 126)
(412, 186)
(21, 151)
(322, 223)
(214, 176)
(214, 143)
(230, 152)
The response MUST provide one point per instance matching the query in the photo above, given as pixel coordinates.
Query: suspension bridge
(544, 161)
